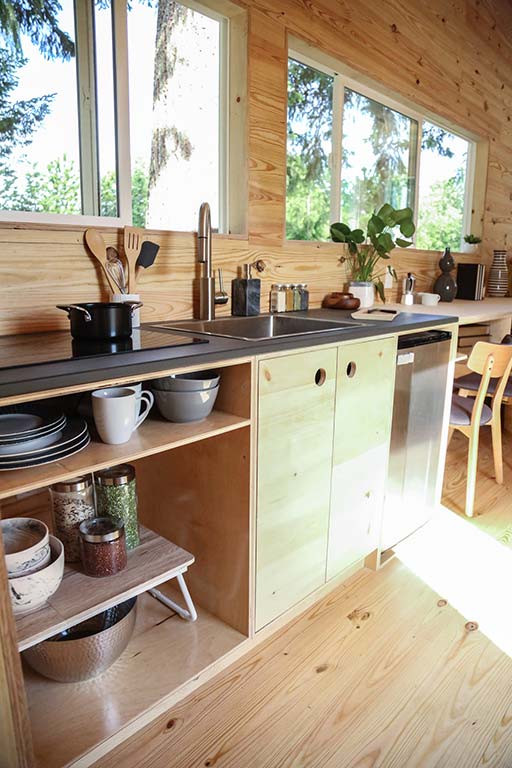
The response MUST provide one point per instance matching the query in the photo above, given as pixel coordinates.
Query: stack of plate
(31, 435)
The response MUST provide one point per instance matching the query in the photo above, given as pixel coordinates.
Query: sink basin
(260, 327)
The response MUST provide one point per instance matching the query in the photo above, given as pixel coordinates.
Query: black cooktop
(59, 346)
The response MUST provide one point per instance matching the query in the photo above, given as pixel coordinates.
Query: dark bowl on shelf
(87, 649)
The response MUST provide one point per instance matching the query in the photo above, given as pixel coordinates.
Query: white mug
(114, 413)
(430, 299)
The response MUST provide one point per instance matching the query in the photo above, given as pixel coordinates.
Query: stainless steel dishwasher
(415, 450)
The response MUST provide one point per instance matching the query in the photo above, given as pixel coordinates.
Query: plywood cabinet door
(364, 404)
(295, 440)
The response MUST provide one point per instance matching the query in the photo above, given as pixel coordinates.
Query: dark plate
(74, 443)
(50, 417)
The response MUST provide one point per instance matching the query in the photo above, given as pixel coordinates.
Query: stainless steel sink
(260, 327)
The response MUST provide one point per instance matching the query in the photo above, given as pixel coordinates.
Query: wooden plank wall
(450, 56)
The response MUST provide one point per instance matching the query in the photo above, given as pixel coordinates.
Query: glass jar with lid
(304, 296)
(102, 546)
(72, 503)
(116, 497)
(278, 298)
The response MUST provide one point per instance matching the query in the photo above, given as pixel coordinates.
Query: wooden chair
(468, 414)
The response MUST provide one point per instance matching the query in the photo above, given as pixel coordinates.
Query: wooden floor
(384, 672)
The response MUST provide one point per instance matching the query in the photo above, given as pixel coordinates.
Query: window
(125, 110)
(351, 149)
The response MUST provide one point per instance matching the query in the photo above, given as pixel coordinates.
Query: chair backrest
(491, 361)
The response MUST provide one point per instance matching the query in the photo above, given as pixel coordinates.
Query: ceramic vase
(363, 291)
(445, 285)
(497, 285)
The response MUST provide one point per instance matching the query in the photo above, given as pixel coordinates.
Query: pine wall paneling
(453, 57)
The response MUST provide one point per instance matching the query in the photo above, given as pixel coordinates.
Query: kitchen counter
(467, 312)
(39, 362)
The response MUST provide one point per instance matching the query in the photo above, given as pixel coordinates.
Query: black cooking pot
(101, 320)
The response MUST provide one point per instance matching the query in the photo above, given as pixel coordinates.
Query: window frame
(232, 117)
(344, 77)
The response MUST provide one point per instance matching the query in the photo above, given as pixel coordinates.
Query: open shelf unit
(154, 436)
(164, 653)
(193, 485)
(79, 597)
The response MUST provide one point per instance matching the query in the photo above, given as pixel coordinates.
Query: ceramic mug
(114, 412)
(430, 299)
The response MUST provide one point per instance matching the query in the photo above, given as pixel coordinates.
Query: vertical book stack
(471, 281)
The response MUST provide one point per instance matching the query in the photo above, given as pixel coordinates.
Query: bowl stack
(34, 561)
(184, 397)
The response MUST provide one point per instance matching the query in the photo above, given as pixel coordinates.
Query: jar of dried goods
(72, 503)
(116, 497)
(102, 546)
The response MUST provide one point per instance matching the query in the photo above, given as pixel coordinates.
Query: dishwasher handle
(407, 341)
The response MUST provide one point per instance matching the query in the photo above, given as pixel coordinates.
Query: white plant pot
(470, 247)
(365, 292)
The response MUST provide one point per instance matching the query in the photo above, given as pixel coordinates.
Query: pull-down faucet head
(204, 238)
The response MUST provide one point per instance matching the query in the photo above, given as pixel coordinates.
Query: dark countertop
(19, 374)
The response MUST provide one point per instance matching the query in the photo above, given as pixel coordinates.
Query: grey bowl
(87, 649)
(186, 406)
(187, 382)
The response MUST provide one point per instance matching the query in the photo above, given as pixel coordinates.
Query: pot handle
(134, 305)
(68, 307)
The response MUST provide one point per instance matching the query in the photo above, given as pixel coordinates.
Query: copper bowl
(87, 649)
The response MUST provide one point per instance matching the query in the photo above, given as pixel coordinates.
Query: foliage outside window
(59, 130)
(349, 153)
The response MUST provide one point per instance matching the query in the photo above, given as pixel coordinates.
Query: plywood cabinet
(364, 404)
(295, 441)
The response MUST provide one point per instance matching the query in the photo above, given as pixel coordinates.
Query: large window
(121, 110)
(350, 150)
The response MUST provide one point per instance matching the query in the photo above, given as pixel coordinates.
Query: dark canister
(102, 546)
(116, 497)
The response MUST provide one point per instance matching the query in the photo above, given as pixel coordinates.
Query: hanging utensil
(146, 258)
(132, 245)
(97, 247)
(116, 269)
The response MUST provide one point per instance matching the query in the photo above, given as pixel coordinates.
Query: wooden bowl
(340, 300)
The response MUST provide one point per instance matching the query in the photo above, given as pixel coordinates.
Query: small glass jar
(72, 503)
(278, 298)
(289, 297)
(296, 297)
(304, 296)
(116, 497)
(102, 546)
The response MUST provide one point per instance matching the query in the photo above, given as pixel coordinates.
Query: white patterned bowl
(29, 593)
(26, 545)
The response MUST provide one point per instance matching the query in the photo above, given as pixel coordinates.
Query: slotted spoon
(132, 245)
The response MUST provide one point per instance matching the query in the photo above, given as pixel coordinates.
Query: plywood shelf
(164, 655)
(154, 436)
(79, 596)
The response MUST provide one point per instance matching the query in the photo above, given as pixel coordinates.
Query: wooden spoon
(132, 245)
(97, 247)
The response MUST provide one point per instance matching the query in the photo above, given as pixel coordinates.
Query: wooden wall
(450, 56)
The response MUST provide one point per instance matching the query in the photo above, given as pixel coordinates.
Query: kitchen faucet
(208, 297)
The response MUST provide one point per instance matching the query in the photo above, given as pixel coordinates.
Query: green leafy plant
(366, 250)
(472, 239)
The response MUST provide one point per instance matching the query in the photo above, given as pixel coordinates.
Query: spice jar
(72, 503)
(102, 546)
(304, 296)
(278, 298)
(116, 497)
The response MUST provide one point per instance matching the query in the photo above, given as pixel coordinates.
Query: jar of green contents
(116, 497)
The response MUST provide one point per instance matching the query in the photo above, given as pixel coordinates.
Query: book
(470, 280)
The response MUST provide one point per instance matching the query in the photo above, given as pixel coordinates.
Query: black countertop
(32, 363)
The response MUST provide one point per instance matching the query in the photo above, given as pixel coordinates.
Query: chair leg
(451, 430)
(497, 448)
(472, 467)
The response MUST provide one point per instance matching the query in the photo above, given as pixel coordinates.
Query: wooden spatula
(97, 247)
(132, 245)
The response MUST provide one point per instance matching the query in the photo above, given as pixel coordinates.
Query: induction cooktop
(59, 346)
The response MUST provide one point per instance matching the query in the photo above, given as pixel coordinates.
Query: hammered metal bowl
(87, 649)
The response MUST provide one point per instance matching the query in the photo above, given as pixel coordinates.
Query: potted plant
(367, 250)
(471, 243)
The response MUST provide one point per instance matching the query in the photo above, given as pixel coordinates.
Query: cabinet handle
(320, 377)
(351, 369)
